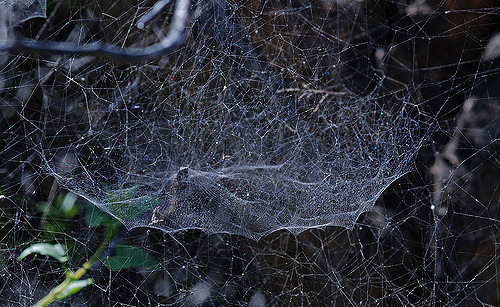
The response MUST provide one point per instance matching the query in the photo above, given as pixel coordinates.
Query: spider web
(235, 147)
(19, 11)
(286, 153)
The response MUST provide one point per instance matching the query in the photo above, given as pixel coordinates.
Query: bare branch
(171, 41)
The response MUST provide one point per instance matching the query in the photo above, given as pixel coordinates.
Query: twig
(157, 8)
(307, 92)
(310, 91)
(50, 200)
(73, 276)
(168, 44)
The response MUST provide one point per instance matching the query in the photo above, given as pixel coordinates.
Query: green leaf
(57, 251)
(128, 203)
(68, 205)
(94, 217)
(63, 206)
(74, 287)
(55, 227)
(130, 257)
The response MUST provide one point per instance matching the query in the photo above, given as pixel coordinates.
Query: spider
(158, 216)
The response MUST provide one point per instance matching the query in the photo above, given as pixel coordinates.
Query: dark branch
(168, 44)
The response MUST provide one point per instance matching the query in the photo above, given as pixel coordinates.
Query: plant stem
(72, 276)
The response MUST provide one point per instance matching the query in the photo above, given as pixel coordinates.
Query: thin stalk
(73, 276)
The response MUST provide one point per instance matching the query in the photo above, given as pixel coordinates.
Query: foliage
(126, 256)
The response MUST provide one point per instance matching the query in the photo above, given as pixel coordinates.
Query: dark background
(430, 238)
